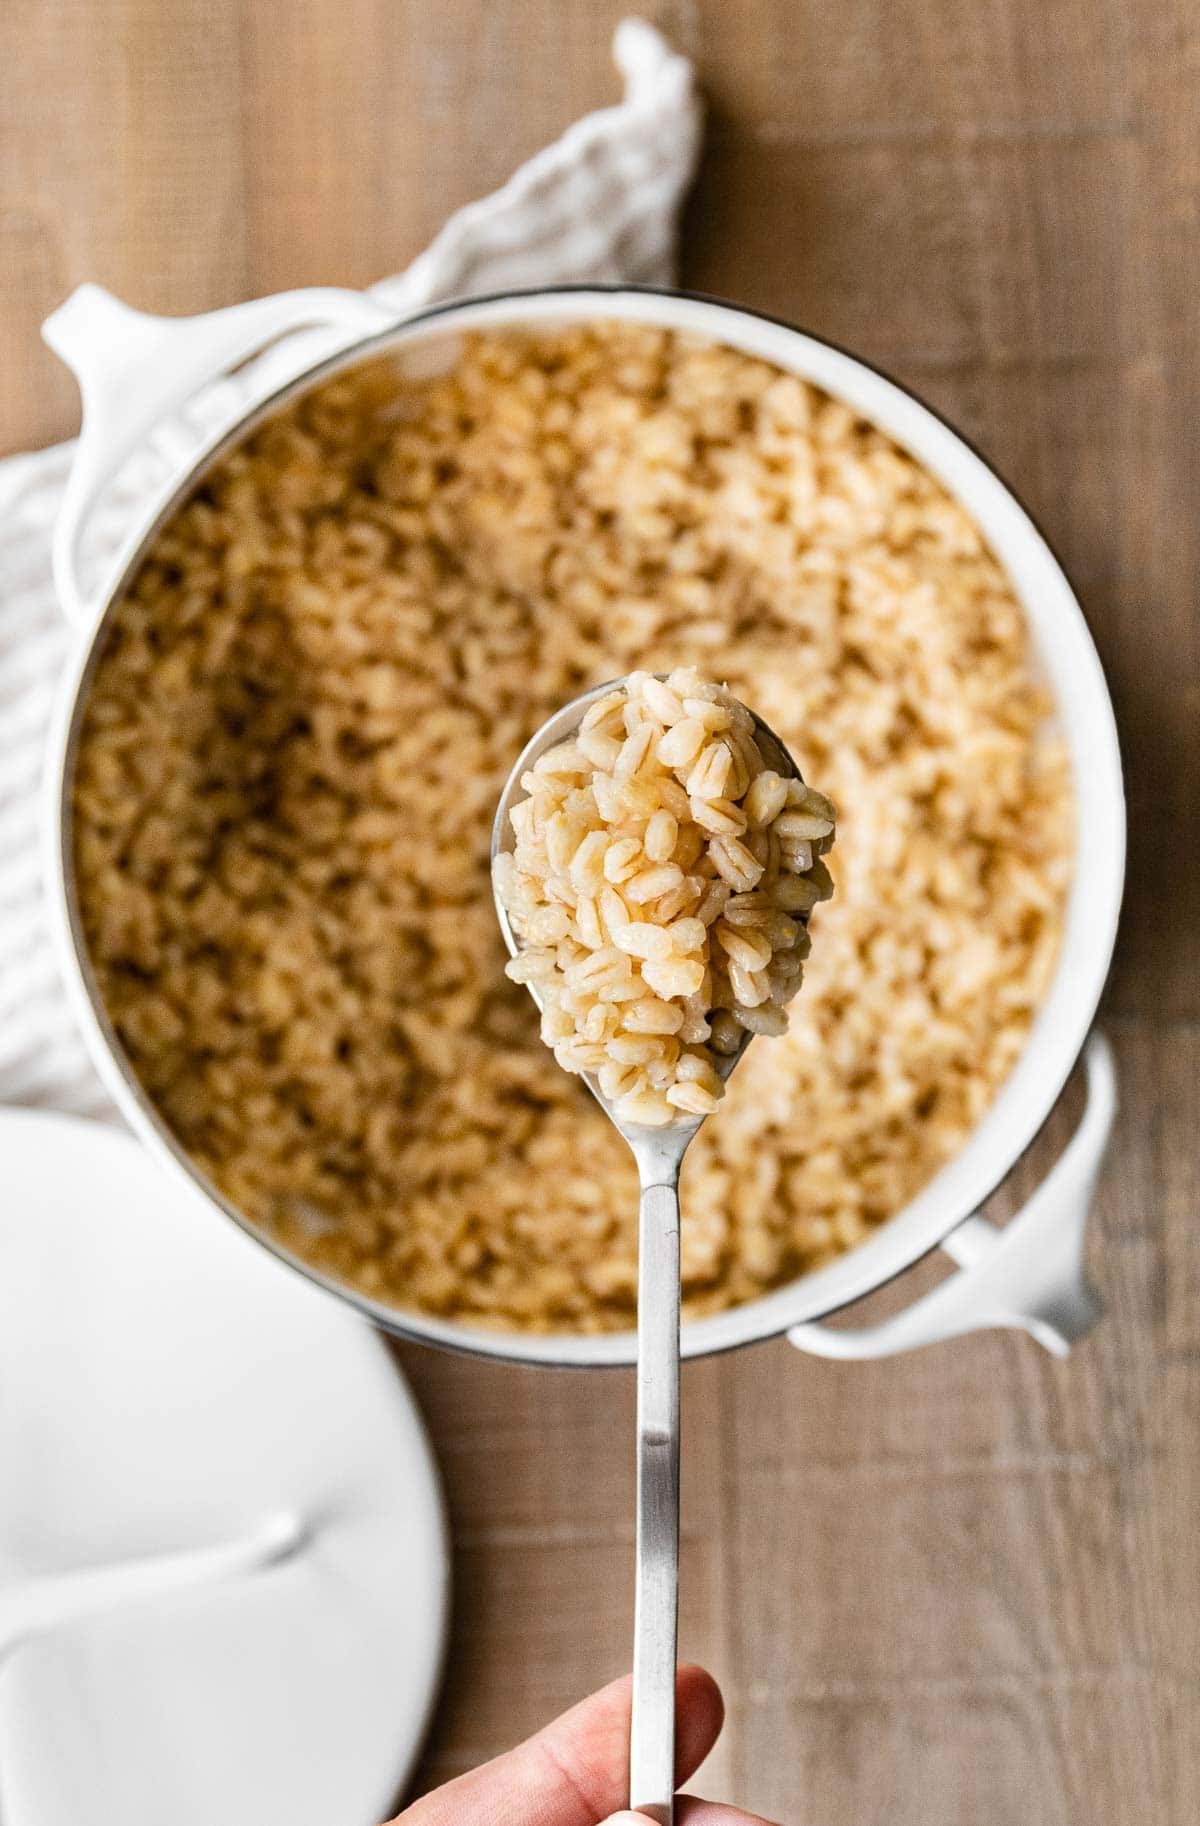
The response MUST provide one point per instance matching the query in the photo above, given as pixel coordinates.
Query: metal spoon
(659, 1154)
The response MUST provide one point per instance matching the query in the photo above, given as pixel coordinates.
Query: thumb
(692, 1813)
(575, 1771)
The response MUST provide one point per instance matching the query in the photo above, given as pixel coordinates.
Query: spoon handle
(652, 1738)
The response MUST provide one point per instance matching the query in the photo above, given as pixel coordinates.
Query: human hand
(575, 1772)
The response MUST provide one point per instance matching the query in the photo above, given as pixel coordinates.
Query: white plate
(163, 1385)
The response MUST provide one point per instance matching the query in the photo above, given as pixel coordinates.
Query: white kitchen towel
(600, 204)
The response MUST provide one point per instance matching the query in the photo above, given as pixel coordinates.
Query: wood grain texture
(960, 1587)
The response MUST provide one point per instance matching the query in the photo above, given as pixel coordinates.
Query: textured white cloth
(600, 204)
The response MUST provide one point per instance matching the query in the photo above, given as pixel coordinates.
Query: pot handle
(134, 369)
(1028, 1275)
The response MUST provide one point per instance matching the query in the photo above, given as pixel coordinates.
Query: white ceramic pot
(135, 372)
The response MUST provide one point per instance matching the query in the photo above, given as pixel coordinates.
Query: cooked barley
(688, 976)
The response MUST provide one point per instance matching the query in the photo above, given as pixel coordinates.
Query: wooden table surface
(962, 1587)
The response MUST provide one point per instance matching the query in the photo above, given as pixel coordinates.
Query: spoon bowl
(559, 728)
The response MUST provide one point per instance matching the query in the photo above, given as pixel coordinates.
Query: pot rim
(954, 1192)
